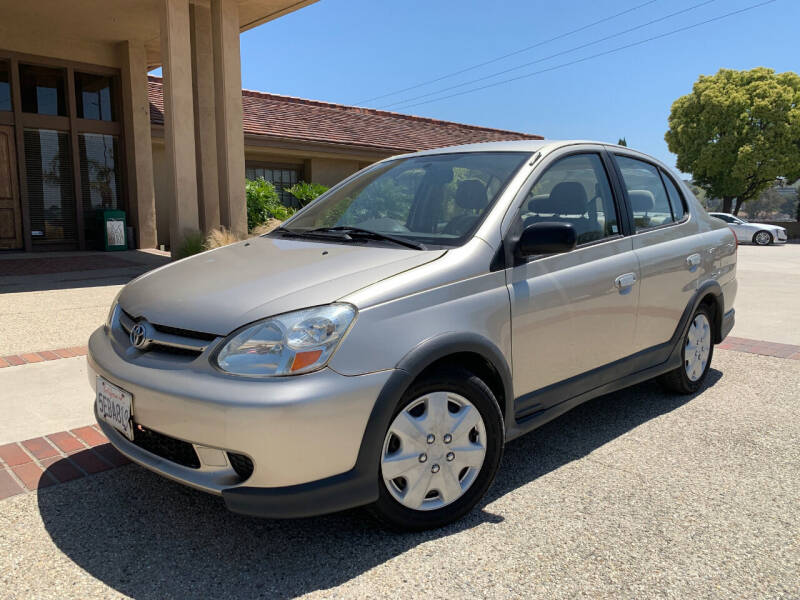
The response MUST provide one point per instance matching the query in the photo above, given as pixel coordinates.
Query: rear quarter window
(646, 193)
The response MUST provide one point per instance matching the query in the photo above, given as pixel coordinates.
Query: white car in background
(760, 234)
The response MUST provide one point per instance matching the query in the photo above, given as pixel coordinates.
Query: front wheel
(440, 452)
(762, 238)
(698, 348)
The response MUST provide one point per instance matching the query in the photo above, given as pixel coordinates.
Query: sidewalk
(55, 300)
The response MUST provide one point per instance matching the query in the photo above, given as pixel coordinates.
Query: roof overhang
(85, 28)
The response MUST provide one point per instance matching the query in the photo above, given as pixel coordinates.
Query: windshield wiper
(357, 232)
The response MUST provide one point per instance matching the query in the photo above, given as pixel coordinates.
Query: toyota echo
(383, 344)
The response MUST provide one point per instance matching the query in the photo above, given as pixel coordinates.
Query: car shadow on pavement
(147, 537)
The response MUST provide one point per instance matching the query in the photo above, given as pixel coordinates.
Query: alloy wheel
(433, 451)
(763, 238)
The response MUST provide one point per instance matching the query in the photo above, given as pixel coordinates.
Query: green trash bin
(113, 231)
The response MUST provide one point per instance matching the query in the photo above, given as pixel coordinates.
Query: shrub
(306, 192)
(265, 228)
(217, 238)
(193, 243)
(263, 203)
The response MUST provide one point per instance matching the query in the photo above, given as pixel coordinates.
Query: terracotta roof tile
(286, 117)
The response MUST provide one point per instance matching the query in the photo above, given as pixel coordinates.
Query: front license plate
(115, 407)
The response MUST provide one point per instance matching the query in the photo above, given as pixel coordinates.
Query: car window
(675, 197)
(722, 217)
(431, 199)
(646, 193)
(574, 190)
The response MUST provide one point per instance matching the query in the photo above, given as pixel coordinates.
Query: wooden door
(10, 214)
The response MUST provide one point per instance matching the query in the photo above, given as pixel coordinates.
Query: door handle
(693, 260)
(625, 281)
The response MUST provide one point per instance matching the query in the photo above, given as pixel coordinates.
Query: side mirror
(546, 238)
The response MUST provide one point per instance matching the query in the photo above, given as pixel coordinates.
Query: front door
(575, 312)
(10, 214)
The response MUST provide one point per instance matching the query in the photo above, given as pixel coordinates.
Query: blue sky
(348, 51)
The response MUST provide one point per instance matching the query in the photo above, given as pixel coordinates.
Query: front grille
(197, 335)
(170, 339)
(241, 464)
(166, 447)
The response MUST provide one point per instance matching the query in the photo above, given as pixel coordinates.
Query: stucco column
(138, 143)
(179, 120)
(230, 134)
(205, 117)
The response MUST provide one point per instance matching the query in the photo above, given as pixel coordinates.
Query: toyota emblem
(139, 338)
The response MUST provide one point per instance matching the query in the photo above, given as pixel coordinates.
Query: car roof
(517, 146)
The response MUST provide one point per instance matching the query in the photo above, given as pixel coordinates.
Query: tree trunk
(727, 202)
(739, 202)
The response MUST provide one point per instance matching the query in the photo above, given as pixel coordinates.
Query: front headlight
(287, 344)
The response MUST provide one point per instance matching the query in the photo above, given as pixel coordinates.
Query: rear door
(669, 256)
(573, 312)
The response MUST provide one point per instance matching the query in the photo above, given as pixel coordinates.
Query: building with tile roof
(290, 139)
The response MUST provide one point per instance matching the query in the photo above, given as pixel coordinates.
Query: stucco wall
(160, 187)
(330, 171)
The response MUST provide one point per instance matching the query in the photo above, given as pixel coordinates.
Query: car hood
(221, 290)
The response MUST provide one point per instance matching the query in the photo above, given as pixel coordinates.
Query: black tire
(758, 233)
(678, 381)
(398, 517)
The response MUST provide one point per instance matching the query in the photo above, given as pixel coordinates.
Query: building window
(5, 86)
(100, 180)
(51, 193)
(42, 90)
(280, 177)
(93, 96)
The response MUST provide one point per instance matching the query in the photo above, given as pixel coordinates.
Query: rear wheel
(698, 348)
(440, 452)
(762, 238)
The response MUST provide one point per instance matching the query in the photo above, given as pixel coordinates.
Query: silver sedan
(761, 234)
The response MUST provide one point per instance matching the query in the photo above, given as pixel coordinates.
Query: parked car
(761, 234)
(383, 345)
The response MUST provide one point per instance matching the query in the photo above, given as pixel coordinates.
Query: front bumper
(304, 434)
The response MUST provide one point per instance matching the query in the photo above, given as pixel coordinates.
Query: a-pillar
(230, 134)
(138, 143)
(179, 121)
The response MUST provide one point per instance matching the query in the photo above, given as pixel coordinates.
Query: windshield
(433, 200)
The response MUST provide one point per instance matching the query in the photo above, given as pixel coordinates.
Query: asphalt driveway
(636, 494)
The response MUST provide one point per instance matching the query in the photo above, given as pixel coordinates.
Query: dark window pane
(51, 196)
(100, 177)
(280, 178)
(646, 193)
(43, 90)
(675, 198)
(5, 86)
(94, 96)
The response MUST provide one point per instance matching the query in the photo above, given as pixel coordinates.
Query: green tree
(737, 132)
(622, 142)
(766, 205)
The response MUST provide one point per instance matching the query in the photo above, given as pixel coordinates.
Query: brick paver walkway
(15, 360)
(56, 458)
